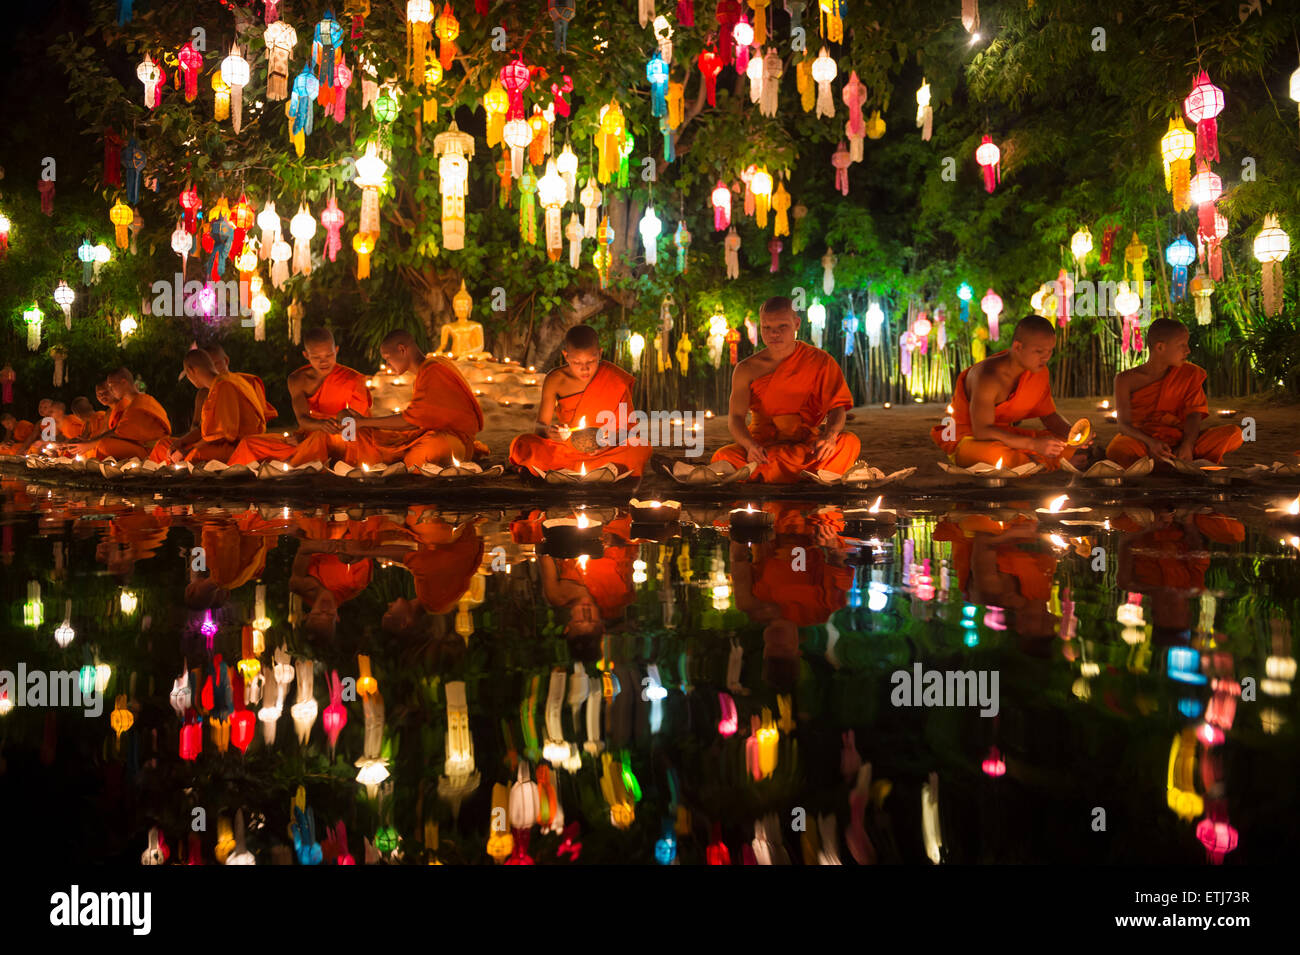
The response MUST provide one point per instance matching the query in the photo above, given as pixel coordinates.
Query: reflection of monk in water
(1168, 558)
(133, 536)
(594, 590)
(797, 579)
(325, 582)
(994, 569)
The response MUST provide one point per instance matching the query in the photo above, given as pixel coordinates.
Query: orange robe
(609, 388)
(1033, 570)
(234, 557)
(231, 411)
(788, 404)
(268, 409)
(1159, 410)
(341, 579)
(342, 388)
(22, 431)
(608, 579)
(443, 573)
(807, 596)
(444, 414)
(98, 423)
(1030, 398)
(140, 426)
(72, 427)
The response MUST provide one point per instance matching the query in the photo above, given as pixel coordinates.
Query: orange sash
(1030, 398)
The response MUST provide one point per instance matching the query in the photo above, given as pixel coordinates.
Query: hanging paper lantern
(1179, 254)
(682, 239)
(964, 294)
(991, 306)
(280, 40)
(268, 220)
(924, 113)
(86, 253)
(63, 297)
(4, 235)
(1135, 254)
(710, 64)
(454, 150)
(988, 156)
(447, 29)
(1202, 104)
(182, 242)
(1127, 302)
(550, 193)
(824, 71)
(1272, 246)
(832, 20)
(656, 71)
(663, 32)
(234, 70)
(151, 75)
(1202, 287)
(611, 136)
(302, 227)
(371, 172)
(332, 221)
(817, 322)
(496, 104)
(33, 317)
(650, 228)
(363, 243)
(515, 77)
(358, 10)
(721, 206)
(567, 166)
(841, 159)
(518, 136)
(539, 146)
(1080, 246)
(731, 253)
(325, 48)
(591, 197)
(1204, 189)
(191, 61)
(302, 107)
(220, 98)
(574, 233)
(761, 186)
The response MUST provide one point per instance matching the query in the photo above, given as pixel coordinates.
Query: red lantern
(191, 743)
(515, 76)
(728, 15)
(988, 155)
(191, 203)
(335, 716)
(994, 765)
(242, 724)
(710, 65)
(191, 61)
(717, 853)
(686, 13)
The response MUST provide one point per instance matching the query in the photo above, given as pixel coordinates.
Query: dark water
(1143, 661)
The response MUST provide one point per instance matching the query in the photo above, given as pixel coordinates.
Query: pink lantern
(332, 219)
(921, 327)
(994, 765)
(1218, 837)
(729, 722)
(190, 60)
(515, 76)
(991, 306)
(335, 716)
(841, 161)
(721, 206)
(988, 156)
(1203, 103)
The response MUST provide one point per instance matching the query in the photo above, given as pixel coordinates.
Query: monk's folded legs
(206, 451)
(786, 461)
(1211, 445)
(120, 449)
(534, 451)
(436, 447)
(263, 447)
(971, 451)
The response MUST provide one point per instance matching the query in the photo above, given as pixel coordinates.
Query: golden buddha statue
(462, 338)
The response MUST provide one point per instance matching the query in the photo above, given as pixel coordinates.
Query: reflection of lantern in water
(1218, 837)
(500, 842)
(1184, 665)
(33, 609)
(994, 765)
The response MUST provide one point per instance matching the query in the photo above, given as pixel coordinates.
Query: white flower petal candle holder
(860, 475)
(1217, 474)
(460, 469)
(722, 472)
(990, 475)
(1109, 473)
(655, 511)
(605, 474)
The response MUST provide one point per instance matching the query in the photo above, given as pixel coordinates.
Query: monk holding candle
(67, 428)
(319, 391)
(1161, 405)
(790, 387)
(582, 394)
(992, 396)
(221, 362)
(231, 410)
(14, 434)
(138, 423)
(440, 422)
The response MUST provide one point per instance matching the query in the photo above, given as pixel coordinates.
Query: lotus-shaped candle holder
(605, 474)
(109, 469)
(1059, 508)
(749, 523)
(655, 512)
(270, 470)
(1109, 473)
(860, 475)
(176, 469)
(568, 537)
(869, 521)
(460, 469)
(990, 475)
(1280, 469)
(721, 472)
(1217, 474)
(365, 471)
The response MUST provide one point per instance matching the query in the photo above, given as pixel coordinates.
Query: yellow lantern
(120, 215)
(221, 99)
(366, 684)
(609, 141)
(496, 103)
(1135, 255)
(1177, 147)
(500, 842)
(831, 21)
(1080, 246)
(363, 243)
(122, 719)
(432, 78)
(419, 16)
(454, 150)
(761, 187)
(447, 28)
(875, 125)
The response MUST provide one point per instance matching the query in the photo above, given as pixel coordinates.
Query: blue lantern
(656, 71)
(1180, 254)
(965, 293)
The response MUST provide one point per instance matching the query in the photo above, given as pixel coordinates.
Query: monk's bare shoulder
(304, 380)
(755, 366)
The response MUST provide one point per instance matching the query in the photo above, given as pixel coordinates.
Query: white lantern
(64, 296)
(1080, 246)
(824, 71)
(636, 345)
(127, 327)
(65, 634)
(1272, 246)
(551, 191)
(234, 70)
(817, 320)
(875, 319)
(567, 165)
(650, 228)
(924, 114)
(302, 227)
(517, 134)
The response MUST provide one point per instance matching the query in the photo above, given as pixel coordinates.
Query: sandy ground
(899, 437)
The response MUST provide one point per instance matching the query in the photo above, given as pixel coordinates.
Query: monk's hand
(1159, 449)
(755, 454)
(1185, 451)
(81, 447)
(557, 432)
(177, 457)
(825, 446)
(1048, 445)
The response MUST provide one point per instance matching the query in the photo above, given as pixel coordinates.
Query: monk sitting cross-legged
(440, 422)
(101, 421)
(55, 429)
(583, 394)
(138, 423)
(231, 410)
(221, 362)
(992, 396)
(790, 387)
(1161, 404)
(14, 434)
(319, 391)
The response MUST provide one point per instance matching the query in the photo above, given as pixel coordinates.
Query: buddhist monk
(83, 409)
(992, 396)
(1161, 405)
(325, 582)
(319, 391)
(440, 422)
(101, 421)
(140, 423)
(790, 387)
(584, 393)
(232, 410)
(594, 591)
(15, 434)
(54, 438)
(221, 362)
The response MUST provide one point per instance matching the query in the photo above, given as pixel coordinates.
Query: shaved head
(121, 374)
(199, 360)
(220, 360)
(399, 337)
(401, 351)
(1164, 330)
(1031, 326)
(318, 336)
(81, 406)
(581, 338)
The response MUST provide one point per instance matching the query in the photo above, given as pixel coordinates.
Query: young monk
(790, 387)
(66, 428)
(1161, 405)
(101, 421)
(140, 422)
(440, 422)
(14, 434)
(83, 409)
(221, 362)
(992, 396)
(583, 387)
(231, 410)
(319, 391)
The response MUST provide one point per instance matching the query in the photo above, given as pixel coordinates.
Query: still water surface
(672, 693)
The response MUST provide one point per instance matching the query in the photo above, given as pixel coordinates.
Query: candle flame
(583, 523)
(1294, 507)
(365, 467)
(454, 462)
(875, 508)
(998, 466)
(950, 409)
(582, 469)
(582, 423)
(1105, 404)
(749, 508)
(1058, 503)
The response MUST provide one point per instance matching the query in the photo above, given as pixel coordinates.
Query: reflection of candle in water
(875, 508)
(950, 409)
(1294, 507)
(1057, 504)
(583, 523)
(888, 405)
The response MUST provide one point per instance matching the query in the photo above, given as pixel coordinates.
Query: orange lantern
(447, 28)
